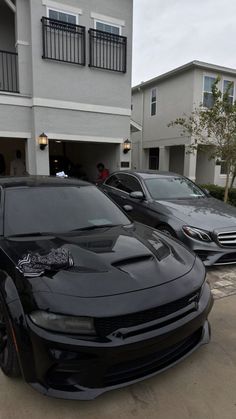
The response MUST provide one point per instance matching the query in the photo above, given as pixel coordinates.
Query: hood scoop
(132, 260)
(137, 267)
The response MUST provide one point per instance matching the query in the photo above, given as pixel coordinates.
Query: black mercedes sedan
(89, 300)
(176, 206)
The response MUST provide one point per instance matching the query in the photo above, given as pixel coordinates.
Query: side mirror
(128, 208)
(137, 195)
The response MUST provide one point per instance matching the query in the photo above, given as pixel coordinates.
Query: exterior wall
(176, 95)
(84, 84)
(170, 105)
(66, 101)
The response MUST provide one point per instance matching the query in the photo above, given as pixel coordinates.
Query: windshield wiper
(41, 234)
(94, 227)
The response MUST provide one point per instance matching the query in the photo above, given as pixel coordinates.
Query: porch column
(164, 158)
(23, 46)
(37, 161)
(190, 163)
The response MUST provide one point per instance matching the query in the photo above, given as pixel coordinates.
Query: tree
(214, 127)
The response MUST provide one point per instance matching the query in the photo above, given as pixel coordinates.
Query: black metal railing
(107, 51)
(8, 71)
(63, 41)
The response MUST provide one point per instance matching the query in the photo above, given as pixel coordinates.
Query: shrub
(218, 193)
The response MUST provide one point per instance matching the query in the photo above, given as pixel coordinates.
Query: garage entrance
(79, 159)
(8, 148)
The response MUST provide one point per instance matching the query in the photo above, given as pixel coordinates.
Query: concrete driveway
(201, 387)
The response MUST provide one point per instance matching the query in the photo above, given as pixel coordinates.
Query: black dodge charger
(90, 301)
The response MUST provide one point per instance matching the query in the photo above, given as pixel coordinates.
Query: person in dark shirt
(103, 173)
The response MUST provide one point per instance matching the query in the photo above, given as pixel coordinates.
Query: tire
(167, 230)
(8, 356)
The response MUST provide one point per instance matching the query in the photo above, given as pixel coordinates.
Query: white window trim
(62, 7)
(63, 11)
(229, 80)
(220, 84)
(107, 19)
(107, 23)
(151, 102)
(203, 79)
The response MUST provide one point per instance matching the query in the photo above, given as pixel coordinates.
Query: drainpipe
(141, 142)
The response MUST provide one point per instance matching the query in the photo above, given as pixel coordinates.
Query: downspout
(141, 142)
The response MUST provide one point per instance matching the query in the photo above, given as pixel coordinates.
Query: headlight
(197, 234)
(63, 324)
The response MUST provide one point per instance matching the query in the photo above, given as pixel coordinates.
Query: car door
(114, 188)
(131, 183)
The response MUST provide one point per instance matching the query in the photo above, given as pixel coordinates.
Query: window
(227, 84)
(63, 40)
(58, 209)
(62, 16)
(113, 181)
(153, 102)
(223, 167)
(107, 50)
(172, 188)
(129, 183)
(207, 91)
(107, 27)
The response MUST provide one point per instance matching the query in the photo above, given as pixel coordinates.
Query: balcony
(9, 72)
(63, 41)
(107, 51)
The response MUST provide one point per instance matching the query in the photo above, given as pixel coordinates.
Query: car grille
(106, 325)
(227, 239)
(141, 367)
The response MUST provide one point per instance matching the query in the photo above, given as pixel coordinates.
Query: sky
(170, 33)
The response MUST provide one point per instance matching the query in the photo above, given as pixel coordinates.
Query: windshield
(58, 209)
(173, 188)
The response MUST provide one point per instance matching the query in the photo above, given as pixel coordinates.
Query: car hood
(207, 213)
(108, 261)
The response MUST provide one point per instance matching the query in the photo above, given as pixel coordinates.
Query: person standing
(17, 167)
(103, 173)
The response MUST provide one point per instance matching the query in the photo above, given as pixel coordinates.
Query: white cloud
(169, 33)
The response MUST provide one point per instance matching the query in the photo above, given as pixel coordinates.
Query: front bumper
(210, 253)
(72, 367)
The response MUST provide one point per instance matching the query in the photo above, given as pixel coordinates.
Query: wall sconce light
(43, 141)
(126, 146)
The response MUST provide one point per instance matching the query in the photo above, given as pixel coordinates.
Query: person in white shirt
(17, 167)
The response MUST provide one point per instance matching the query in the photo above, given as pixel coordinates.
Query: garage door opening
(8, 148)
(80, 159)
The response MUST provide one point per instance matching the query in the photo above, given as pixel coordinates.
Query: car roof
(37, 181)
(149, 174)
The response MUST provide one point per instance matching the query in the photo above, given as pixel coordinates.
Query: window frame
(120, 190)
(53, 9)
(153, 102)
(229, 81)
(104, 22)
(214, 76)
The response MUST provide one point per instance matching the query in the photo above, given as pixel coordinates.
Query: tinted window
(173, 188)
(112, 181)
(129, 183)
(58, 209)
